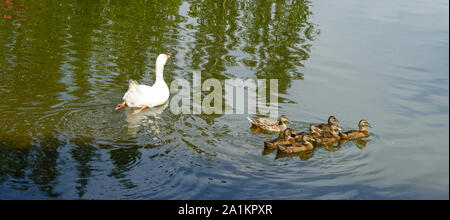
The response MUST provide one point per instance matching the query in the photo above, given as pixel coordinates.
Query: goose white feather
(143, 96)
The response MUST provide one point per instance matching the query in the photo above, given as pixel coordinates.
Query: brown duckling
(354, 134)
(270, 125)
(326, 128)
(286, 139)
(313, 131)
(328, 140)
(298, 147)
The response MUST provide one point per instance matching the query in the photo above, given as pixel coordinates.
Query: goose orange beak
(167, 56)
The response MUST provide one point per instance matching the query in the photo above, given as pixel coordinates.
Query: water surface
(64, 66)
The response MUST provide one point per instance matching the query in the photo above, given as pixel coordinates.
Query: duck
(313, 131)
(355, 134)
(286, 139)
(297, 147)
(331, 139)
(143, 96)
(326, 128)
(269, 124)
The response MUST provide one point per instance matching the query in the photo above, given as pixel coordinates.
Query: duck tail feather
(251, 120)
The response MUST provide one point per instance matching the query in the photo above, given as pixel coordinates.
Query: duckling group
(323, 134)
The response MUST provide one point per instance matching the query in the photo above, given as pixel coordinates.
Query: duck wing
(263, 121)
(271, 144)
(292, 148)
(354, 134)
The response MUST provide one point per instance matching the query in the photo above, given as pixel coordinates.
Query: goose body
(144, 96)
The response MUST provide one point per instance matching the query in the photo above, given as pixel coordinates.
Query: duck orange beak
(167, 56)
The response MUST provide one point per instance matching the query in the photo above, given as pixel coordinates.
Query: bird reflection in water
(306, 155)
(359, 143)
(149, 118)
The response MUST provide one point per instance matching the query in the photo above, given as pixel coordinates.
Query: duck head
(308, 138)
(288, 133)
(332, 119)
(284, 119)
(364, 123)
(313, 128)
(335, 129)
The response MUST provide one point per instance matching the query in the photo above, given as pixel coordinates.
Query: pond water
(64, 66)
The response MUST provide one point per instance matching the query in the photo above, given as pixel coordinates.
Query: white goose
(143, 96)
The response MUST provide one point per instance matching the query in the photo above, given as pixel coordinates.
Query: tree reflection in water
(61, 65)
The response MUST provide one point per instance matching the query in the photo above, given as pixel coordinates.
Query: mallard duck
(269, 124)
(354, 134)
(143, 96)
(286, 139)
(328, 140)
(298, 147)
(326, 128)
(313, 131)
